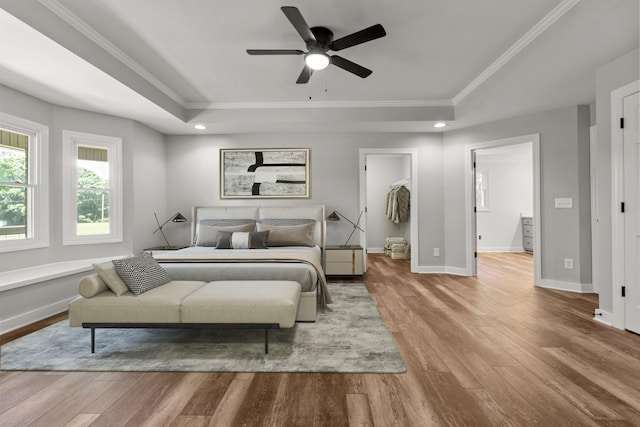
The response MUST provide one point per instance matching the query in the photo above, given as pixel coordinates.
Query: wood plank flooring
(480, 351)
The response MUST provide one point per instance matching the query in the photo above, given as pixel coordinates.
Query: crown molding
(517, 47)
(81, 26)
(316, 104)
(84, 28)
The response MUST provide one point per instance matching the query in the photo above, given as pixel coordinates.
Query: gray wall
(193, 176)
(561, 163)
(614, 75)
(144, 187)
(150, 189)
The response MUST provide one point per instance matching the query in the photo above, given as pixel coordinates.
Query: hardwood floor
(484, 351)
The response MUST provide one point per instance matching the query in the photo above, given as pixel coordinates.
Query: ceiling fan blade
(305, 75)
(298, 22)
(351, 67)
(274, 52)
(362, 36)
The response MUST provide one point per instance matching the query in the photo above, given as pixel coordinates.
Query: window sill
(40, 273)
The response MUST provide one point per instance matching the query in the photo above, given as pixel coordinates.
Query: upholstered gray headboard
(315, 212)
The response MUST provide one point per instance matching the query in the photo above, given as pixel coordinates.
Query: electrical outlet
(436, 251)
(479, 237)
(568, 263)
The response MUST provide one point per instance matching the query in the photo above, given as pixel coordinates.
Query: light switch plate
(564, 203)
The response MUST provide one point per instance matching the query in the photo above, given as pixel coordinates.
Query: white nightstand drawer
(340, 256)
(341, 269)
(527, 243)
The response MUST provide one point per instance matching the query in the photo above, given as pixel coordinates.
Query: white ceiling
(170, 64)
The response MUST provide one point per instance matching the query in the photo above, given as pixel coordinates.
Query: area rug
(349, 337)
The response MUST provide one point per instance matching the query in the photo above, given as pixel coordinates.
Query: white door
(474, 220)
(632, 211)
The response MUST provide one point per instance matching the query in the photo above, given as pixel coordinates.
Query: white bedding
(299, 263)
(202, 251)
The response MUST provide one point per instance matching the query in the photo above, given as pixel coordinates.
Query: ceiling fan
(319, 41)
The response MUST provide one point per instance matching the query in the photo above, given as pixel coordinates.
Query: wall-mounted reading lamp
(335, 216)
(176, 218)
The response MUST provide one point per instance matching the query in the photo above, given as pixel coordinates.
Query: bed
(293, 249)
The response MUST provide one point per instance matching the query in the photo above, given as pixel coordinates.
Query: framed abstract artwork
(264, 173)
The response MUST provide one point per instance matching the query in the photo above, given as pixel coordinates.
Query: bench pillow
(141, 273)
(92, 285)
(107, 272)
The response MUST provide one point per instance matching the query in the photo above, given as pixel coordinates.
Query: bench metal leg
(265, 326)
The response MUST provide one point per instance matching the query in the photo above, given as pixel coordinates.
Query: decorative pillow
(287, 221)
(107, 272)
(92, 285)
(242, 240)
(141, 273)
(288, 235)
(208, 234)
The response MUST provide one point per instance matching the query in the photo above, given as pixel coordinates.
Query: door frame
(617, 194)
(470, 216)
(413, 207)
(595, 216)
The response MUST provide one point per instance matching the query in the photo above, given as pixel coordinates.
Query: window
(482, 191)
(92, 188)
(24, 207)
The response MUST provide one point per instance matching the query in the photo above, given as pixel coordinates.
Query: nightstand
(343, 260)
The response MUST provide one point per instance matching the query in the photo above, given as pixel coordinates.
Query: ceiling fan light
(317, 60)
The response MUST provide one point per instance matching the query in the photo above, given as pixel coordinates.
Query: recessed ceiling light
(439, 125)
(200, 127)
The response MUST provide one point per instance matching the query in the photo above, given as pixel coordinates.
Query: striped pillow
(242, 240)
(141, 273)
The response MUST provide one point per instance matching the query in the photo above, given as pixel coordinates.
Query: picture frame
(265, 173)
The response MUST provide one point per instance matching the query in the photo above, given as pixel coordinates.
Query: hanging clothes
(398, 204)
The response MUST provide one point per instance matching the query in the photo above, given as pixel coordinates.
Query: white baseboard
(603, 317)
(501, 249)
(432, 269)
(582, 288)
(375, 250)
(457, 271)
(24, 319)
(442, 269)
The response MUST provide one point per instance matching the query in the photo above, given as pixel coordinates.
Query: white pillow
(288, 235)
(107, 272)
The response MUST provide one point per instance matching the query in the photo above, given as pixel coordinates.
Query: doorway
(406, 161)
(504, 198)
(470, 186)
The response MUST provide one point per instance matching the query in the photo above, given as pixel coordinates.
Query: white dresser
(527, 233)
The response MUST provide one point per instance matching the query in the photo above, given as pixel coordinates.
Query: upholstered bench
(263, 304)
(240, 301)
